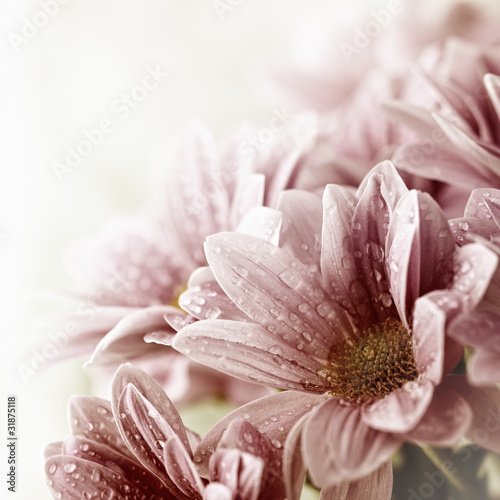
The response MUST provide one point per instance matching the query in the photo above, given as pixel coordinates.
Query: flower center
(373, 365)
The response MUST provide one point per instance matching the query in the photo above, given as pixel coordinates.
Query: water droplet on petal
(69, 468)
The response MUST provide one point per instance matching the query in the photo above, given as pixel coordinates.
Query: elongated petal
(53, 449)
(93, 418)
(205, 299)
(447, 419)
(240, 472)
(401, 410)
(475, 329)
(249, 193)
(249, 352)
(64, 474)
(263, 223)
(126, 339)
(181, 470)
(243, 436)
(272, 415)
(492, 84)
(218, 491)
(429, 323)
(301, 231)
(294, 468)
(138, 383)
(146, 433)
(106, 456)
(273, 288)
(377, 485)
(474, 267)
(337, 260)
(339, 446)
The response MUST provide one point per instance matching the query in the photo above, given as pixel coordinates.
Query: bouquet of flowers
(334, 278)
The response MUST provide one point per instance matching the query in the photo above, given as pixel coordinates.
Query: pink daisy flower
(138, 267)
(138, 447)
(346, 311)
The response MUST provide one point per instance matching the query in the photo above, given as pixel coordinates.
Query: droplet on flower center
(372, 365)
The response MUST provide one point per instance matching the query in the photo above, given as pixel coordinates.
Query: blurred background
(68, 72)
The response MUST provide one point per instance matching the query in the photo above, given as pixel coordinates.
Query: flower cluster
(340, 288)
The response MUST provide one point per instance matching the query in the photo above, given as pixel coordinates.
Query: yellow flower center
(372, 365)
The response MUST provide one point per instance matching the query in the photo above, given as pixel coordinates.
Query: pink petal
(249, 352)
(78, 333)
(487, 164)
(126, 339)
(197, 200)
(274, 289)
(301, 229)
(205, 299)
(93, 418)
(240, 471)
(339, 446)
(140, 387)
(263, 223)
(401, 410)
(434, 241)
(181, 470)
(243, 436)
(483, 367)
(337, 261)
(177, 320)
(103, 455)
(475, 329)
(492, 85)
(428, 339)
(377, 485)
(218, 491)
(273, 416)
(485, 205)
(249, 193)
(474, 266)
(447, 419)
(294, 468)
(432, 160)
(64, 478)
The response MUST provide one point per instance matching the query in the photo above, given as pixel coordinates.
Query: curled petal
(401, 410)
(273, 416)
(339, 446)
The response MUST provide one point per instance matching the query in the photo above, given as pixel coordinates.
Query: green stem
(437, 460)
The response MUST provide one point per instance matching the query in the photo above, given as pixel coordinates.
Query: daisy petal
(339, 446)
(447, 419)
(126, 339)
(249, 352)
(377, 485)
(273, 416)
(401, 410)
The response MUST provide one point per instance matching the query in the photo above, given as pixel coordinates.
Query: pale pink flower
(459, 131)
(137, 268)
(351, 310)
(138, 447)
(335, 52)
(481, 328)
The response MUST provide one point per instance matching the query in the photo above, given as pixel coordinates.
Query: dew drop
(69, 468)
(52, 469)
(213, 312)
(290, 278)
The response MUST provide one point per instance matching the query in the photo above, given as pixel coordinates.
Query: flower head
(347, 308)
(138, 447)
